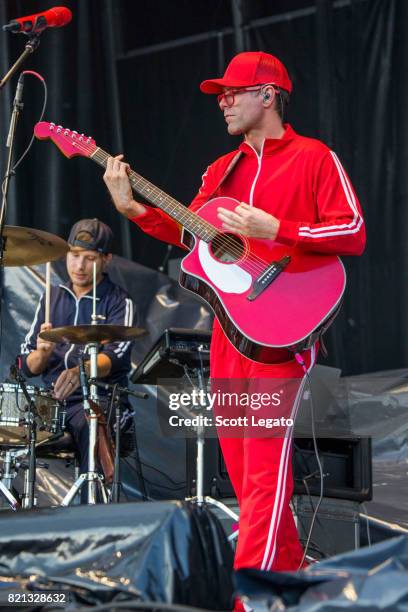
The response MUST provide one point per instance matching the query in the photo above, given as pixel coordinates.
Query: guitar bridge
(268, 276)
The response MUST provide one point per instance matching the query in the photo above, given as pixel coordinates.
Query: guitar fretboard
(177, 211)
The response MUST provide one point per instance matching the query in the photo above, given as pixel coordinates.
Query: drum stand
(199, 498)
(28, 498)
(91, 477)
(7, 478)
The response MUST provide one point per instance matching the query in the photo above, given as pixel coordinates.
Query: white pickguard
(230, 278)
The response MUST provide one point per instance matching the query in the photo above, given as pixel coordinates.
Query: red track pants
(260, 468)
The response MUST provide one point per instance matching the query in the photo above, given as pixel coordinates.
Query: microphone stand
(17, 107)
(31, 46)
(117, 391)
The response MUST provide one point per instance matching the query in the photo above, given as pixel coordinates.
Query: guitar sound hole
(227, 248)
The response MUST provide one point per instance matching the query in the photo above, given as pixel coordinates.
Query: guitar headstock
(69, 142)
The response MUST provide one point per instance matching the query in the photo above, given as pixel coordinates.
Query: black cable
(30, 144)
(301, 362)
(154, 484)
(178, 485)
(138, 462)
(313, 545)
(181, 484)
(319, 501)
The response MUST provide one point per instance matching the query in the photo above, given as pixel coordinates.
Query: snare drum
(14, 414)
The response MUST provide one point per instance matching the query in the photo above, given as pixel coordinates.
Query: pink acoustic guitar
(266, 296)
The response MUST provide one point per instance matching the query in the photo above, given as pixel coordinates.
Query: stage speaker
(347, 468)
(336, 529)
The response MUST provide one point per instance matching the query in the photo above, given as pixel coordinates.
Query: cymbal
(27, 247)
(83, 334)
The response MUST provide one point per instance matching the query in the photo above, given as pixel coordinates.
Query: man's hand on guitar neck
(117, 181)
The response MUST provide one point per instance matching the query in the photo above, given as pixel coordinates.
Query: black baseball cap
(102, 235)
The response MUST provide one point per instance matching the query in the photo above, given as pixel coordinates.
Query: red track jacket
(298, 180)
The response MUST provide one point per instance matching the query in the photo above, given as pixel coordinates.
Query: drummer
(90, 241)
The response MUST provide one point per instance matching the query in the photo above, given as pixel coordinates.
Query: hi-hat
(84, 334)
(26, 247)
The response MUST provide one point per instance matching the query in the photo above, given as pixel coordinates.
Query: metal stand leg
(29, 488)
(116, 485)
(91, 477)
(7, 479)
(9, 497)
(199, 498)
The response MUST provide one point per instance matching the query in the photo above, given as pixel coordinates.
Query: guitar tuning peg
(59, 128)
(66, 132)
(81, 137)
(52, 126)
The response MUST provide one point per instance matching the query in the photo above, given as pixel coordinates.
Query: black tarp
(164, 551)
(374, 578)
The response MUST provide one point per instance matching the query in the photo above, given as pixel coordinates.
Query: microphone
(53, 18)
(19, 90)
(122, 390)
(18, 105)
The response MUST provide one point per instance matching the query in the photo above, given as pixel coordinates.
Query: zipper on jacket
(259, 158)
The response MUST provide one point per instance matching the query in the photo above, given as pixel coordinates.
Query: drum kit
(31, 417)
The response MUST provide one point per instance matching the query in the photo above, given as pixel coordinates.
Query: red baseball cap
(250, 68)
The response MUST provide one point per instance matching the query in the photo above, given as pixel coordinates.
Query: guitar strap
(227, 172)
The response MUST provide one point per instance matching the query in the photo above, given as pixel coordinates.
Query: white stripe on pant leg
(294, 414)
(277, 493)
(279, 488)
(282, 465)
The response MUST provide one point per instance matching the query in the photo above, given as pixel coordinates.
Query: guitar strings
(219, 239)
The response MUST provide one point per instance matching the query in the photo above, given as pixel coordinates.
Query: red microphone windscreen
(58, 16)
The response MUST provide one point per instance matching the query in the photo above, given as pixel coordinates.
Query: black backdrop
(348, 61)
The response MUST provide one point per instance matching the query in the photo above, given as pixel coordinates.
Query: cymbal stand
(91, 477)
(199, 498)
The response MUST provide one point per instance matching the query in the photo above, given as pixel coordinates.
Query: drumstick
(47, 291)
(94, 294)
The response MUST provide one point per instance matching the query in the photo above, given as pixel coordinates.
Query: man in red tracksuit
(293, 190)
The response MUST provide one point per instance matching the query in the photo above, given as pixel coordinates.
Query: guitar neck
(177, 211)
